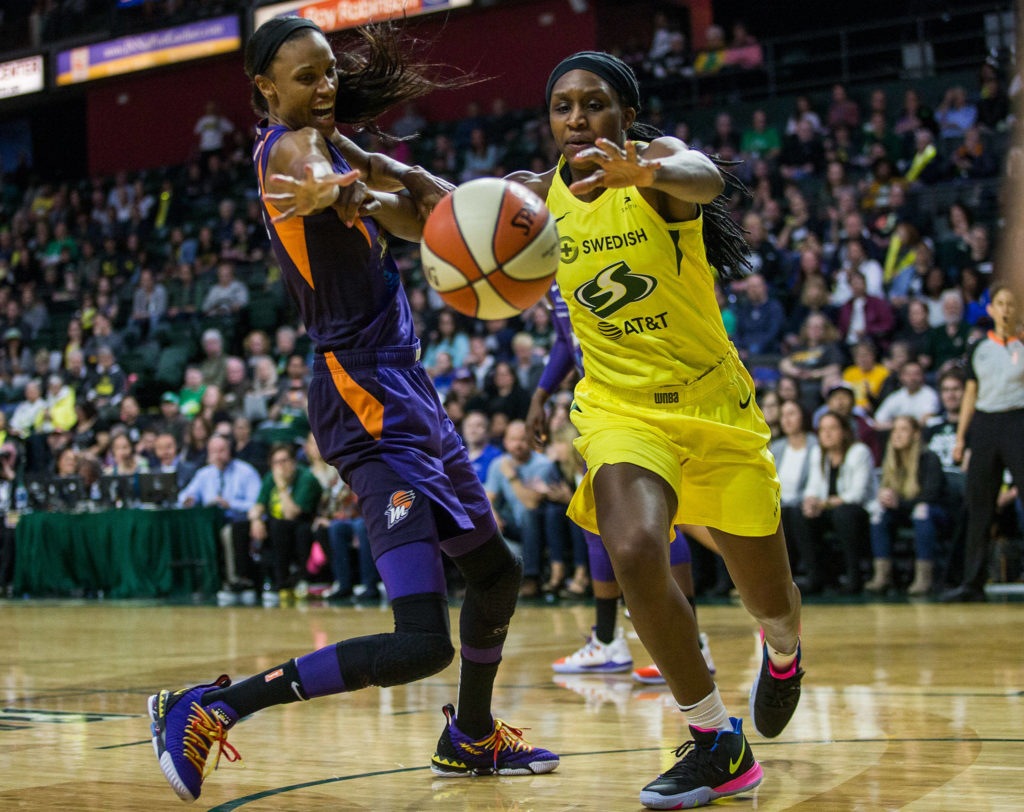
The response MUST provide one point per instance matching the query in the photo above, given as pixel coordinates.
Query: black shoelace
(694, 759)
(780, 693)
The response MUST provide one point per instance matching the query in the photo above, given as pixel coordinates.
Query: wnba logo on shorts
(398, 506)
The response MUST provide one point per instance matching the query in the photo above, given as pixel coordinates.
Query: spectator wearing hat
(841, 399)
(171, 421)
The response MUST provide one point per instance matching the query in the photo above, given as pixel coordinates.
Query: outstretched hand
(305, 195)
(617, 167)
(426, 191)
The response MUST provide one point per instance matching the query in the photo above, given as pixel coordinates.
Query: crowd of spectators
(143, 321)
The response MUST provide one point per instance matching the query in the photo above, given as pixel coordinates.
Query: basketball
(490, 248)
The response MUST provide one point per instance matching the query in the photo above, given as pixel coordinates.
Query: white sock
(780, 661)
(709, 713)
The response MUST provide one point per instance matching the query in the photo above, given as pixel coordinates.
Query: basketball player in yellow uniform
(669, 427)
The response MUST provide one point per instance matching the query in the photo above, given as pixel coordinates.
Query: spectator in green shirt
(281, 522)
(760, 140)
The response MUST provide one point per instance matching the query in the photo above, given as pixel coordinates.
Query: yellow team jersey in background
(640, 291)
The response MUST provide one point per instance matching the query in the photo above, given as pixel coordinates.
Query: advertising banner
(134, 53)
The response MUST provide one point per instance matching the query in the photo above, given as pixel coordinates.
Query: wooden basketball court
(905, 707)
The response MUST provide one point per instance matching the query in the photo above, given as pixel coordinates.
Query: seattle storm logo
(613, 288)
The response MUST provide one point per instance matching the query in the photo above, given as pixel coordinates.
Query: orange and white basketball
(490, 248)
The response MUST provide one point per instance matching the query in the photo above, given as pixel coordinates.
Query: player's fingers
(611, 149)
(267, 196)
(288, 179)
(347, 178)
(369, 206)
(589, 183)
(285, 215)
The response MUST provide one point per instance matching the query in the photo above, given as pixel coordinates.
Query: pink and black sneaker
(774, 696)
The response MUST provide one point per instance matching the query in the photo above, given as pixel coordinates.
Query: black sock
(475, 685)
(607, 609)
(274, 687)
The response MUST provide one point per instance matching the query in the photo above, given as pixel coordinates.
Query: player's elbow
(710, 185)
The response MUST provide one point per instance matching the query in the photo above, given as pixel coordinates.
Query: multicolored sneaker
(503, 752)
(184, 731)
(597, 657)
(774, 697)
(715, 764)
(651, 674)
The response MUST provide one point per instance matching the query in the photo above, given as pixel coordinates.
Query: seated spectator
(236, 385)
(876, 191)
(185, 295)
(527, 362)
(802, 111)
(228, 296)
(248, 448)
(813, 299)
(214, 366)
(675, 62)
(926, 165)
(87, 435)
(517, 484)
(449, 339)
(122, 459)
(725, 138)
(211, 406)
(760, 320)
(866, 375)
(839, 487)
(149, 304)
(711, 57)
(839, 399)
(28, 415)
(912, 492)
(843, 111)
(856, 259)
(865, 316)
(480, 159)
(931, 294)
(281, 523)
(817, 356)
(955, 115)
(940, 431)
(103, 335)
(799, 224)
(165, 447)
(948, 342)
(792, 453)
(476, 437)
(67, 462)
(16, 359)
(902, 251)
(505, 395)
(255, 346)
(296, 375)
(913, 398)
(764, 257)
(802, 153)
(8, 483)
(761, 140)
(916, 333)
(744, 52)
(769, 402)
(972, 160)
(59, 415)
(197, 438)
(231, 485)
(262, 391)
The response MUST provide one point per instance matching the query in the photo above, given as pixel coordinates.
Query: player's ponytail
(726, 249)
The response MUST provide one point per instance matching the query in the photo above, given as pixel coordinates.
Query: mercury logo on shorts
(398, 506)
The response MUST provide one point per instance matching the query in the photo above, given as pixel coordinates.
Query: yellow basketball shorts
(707, 439)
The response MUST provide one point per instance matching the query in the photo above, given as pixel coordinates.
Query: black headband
(279, 30)
(612, 69)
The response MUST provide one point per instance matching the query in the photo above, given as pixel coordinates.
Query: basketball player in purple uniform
(604, 651)
(374, 413)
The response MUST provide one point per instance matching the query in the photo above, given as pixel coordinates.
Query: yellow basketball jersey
(640, 291)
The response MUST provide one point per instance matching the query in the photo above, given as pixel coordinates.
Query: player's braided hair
(726, 249)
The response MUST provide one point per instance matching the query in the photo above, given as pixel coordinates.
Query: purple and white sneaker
(184, 731)
(503, 751)
(596, 657)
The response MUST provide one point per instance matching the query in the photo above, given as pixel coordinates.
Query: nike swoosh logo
(298, 692)
(559, 219)
(745, 403)
(735, 765)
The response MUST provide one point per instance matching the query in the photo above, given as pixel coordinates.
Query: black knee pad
(493, 577)
(419, 647)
